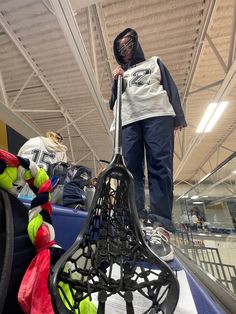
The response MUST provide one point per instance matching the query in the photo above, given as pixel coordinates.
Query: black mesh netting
(110, 261)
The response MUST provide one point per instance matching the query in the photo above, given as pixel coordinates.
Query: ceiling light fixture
(211, 116)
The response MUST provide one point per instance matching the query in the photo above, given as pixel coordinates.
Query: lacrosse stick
(110, 257)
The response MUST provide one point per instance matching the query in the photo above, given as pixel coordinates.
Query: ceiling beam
(69, 26)
(217, 54)
(81, 4)
(84, 157)
(15, 122)
(200, 89)
(76, 120)
(39, 73)
(3, 89)
(98, 13)
(70, 141)
(36, 110)
(22, 89)
(102, 40)
(232, 47)
(225, 88)
(81, 134)
(198, 50)
(216, 148)
(92, 42)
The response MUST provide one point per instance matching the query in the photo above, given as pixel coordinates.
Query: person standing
(151, 113)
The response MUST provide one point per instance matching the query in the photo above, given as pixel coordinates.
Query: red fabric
(30, 182)
(45, 187)
(10, 159)
(33, 295)
(42, 238)
(48, 207)
(47, 245)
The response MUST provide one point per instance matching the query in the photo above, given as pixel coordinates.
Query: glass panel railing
(205, 219)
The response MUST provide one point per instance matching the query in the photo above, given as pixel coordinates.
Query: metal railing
(206, 232)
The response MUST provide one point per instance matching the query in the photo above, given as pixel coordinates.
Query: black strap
(102, 297)
(128, 296)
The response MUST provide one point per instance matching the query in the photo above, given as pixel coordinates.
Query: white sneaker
(159, 241)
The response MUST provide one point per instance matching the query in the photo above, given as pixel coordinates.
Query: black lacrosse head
(110, 258)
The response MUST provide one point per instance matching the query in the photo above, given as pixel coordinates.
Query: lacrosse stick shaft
(118, 122)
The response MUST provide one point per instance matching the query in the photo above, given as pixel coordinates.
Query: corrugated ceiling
(56, 60)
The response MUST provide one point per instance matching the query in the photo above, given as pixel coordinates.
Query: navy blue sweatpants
(156, 135)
